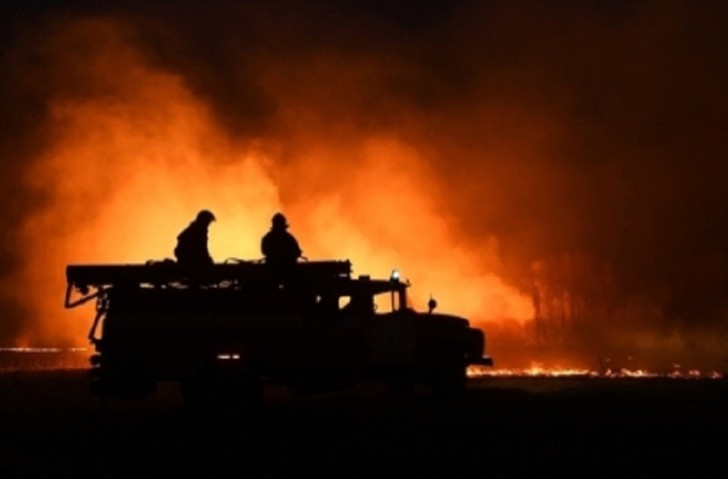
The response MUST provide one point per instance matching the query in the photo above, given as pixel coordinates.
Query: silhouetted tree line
(578, 299)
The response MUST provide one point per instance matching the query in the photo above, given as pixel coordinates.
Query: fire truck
(226, 331)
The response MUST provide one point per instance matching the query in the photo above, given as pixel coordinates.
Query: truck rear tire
(449, 377)
(401, 384)
(222, 391)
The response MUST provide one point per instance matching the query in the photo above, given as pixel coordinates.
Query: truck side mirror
(431, 304)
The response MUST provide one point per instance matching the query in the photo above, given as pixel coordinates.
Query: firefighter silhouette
(279, 247)
(191, 250)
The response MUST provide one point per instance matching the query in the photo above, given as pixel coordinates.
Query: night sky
(579, 143)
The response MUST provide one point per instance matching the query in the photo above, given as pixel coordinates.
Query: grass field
(584, 427)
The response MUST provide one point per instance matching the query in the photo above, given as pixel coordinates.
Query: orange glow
(123, 174)
(539, 370)
(30, 350)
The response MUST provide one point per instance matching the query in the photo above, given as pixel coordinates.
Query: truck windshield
(385, 302)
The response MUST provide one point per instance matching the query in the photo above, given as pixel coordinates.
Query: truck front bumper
(483, 361)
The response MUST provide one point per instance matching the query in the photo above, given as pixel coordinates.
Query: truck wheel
(401, 384)
(222, 392)
(449, 378)
(121, 379)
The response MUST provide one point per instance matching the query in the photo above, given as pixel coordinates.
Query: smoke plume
(554, 172)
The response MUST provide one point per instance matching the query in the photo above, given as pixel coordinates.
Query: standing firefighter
(191, 250)
(279, 247)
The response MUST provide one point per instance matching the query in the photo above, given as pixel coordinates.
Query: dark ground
(49, 426)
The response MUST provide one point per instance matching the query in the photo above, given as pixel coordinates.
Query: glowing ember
(31, 350)
(227, 357)
(538, 370)
(42, 358)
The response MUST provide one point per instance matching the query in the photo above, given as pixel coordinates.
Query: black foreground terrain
(51, 427)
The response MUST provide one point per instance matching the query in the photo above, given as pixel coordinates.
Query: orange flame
(126, 169)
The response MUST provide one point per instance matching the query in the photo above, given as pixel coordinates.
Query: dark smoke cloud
(562, 128)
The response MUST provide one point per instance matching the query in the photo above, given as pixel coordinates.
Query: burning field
(553, 172)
